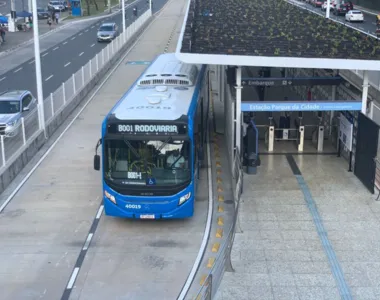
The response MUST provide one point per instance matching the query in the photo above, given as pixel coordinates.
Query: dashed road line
(1, 79)
(81, 33)
(73, 38)
(50, 77)
(86, 30)
(45, 54)
(64, 43)
(32, 62)
(82, 254)
(92, 26)
(92, 45)
(67, 64)
(19, 69)
(81, 53)
(55, 48)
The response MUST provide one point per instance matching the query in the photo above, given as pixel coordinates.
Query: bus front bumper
(186, 210)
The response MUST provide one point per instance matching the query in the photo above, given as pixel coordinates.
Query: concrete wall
(14, 167)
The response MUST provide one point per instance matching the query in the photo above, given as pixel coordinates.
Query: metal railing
(15, 138)
(223, 260)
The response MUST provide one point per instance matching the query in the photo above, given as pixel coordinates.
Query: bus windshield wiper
(168, 140)
(137, 154)
(132, 149)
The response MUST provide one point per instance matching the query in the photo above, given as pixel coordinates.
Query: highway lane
(368, 25)
(60, 61)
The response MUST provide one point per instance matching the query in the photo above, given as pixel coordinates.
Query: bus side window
(197, 131)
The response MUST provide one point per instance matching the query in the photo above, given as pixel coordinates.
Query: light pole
(123, 16)
(37, 58)
(328, 9)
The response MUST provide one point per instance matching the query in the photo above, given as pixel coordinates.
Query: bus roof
(164, 91)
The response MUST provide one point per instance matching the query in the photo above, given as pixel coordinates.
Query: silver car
(14, 105)
(107, 32)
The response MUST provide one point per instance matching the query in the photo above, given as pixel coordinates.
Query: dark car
(340, 10)
(42, 13)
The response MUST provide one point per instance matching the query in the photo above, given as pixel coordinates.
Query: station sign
(147, 129)
(291, 81)
(346, 131)
(301, 106)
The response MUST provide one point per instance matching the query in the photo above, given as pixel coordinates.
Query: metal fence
(15, 138)
(223, 260)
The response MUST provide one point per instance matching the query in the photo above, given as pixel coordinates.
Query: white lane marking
(72, 278)
(55, 48)
(100, 211)
(67, 64)
(32, 62)
(73, 38)
(92, 26)
(81, 54)
(86, 30)
(45, 54)
(92, 45)
(1, 79)
(88, 241)
(81, 33)
(19, 69)
(27, 176)
(50, 77)
(64, 43)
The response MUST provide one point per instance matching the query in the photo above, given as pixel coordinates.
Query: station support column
(238, 88)
(221, 84)
(333, 98)
(365, 92)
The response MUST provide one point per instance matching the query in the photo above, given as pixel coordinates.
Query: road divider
(27, 136)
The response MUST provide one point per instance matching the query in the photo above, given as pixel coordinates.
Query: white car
(354, 16)
(56, 6)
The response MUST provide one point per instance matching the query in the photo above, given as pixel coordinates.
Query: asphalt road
(58, 64)
(62, 60)
(368, 25)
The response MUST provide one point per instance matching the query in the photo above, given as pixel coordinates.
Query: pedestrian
(2, 34)
(53, 16)
(56, 17)
(49, 22)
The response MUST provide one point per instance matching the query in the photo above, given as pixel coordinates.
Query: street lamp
(37, 59)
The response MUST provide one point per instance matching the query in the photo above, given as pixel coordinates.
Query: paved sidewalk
(15, 39)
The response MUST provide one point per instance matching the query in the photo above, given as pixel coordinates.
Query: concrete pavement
(280, 255)
(45, 226)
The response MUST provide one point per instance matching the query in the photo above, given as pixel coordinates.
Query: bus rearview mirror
(97, 162)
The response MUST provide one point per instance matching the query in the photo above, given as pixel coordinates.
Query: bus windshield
(158, 162)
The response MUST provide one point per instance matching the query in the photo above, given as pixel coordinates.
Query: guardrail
(223, 260)
(15, 138)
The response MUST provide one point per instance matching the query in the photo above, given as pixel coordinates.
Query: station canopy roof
(272, 33)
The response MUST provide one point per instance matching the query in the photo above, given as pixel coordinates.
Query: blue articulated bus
(152, 142)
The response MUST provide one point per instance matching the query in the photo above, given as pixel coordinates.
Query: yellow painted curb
(215, 247)
(210, 262)
(219, 233)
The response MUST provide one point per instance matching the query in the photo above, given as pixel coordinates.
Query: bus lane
(46, 226)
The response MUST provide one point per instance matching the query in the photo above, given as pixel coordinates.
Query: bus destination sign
(154, 129)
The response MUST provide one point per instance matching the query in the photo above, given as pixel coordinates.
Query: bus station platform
(309, 230)
(56, 243)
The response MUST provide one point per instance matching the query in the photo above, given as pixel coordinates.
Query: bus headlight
(109, 196)
(184, 198)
